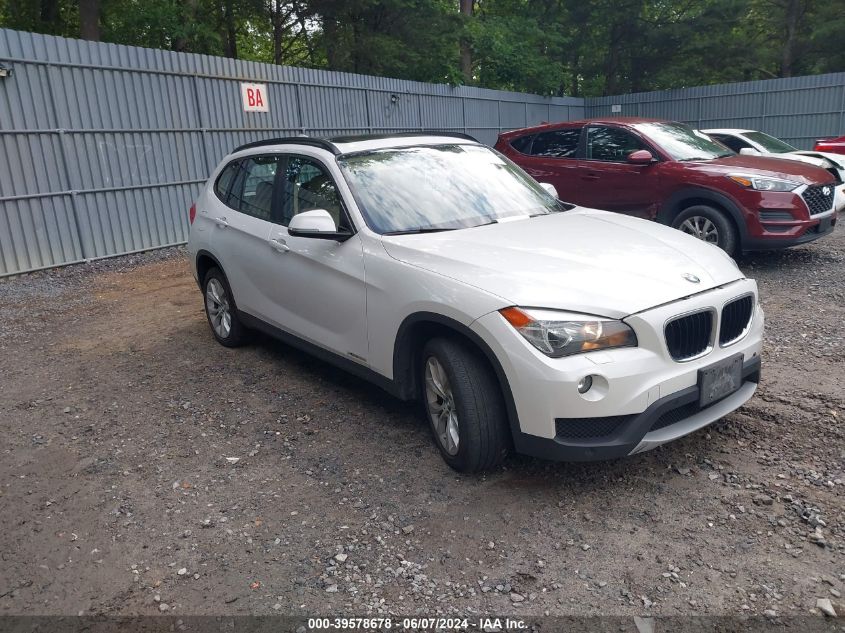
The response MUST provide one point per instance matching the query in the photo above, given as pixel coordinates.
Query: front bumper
(664, 421)
(783, 219)
(794, 235)
(641, 397)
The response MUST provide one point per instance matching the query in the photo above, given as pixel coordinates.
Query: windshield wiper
(434, 229)
(421, 229)
(724, 155)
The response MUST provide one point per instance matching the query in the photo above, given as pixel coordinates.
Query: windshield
(681, 143)
(769, 143)
(416, 189)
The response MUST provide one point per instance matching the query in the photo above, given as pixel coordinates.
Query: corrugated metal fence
(103, 147)
(798, 109)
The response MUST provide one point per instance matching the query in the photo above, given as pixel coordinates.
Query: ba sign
(254, 97)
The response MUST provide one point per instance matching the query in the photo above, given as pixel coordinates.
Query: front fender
(676, 202)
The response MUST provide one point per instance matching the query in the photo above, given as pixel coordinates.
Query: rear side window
(224, 181)
(523, 144)
(611, 144)
(557, 144)
(252, 190)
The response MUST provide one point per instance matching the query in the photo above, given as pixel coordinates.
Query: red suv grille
(817, 200)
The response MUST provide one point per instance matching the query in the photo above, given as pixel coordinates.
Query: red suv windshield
(681, 143)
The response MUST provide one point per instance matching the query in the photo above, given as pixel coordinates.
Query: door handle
(279, 245)
(221, 222)
(589, 177)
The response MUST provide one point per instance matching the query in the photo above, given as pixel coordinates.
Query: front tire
(220, 310)
(709, 225)
(464, 405)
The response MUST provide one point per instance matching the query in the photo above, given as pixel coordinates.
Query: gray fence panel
(796, 109)
(37, 233)
(33, 164)
(387, 111)
(441, 112)
(566, 112)
(105, 146)
(104, 221)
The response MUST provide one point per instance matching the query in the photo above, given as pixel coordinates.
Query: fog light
(584, 384)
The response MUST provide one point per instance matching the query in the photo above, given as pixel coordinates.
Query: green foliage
(515, 49)
(56, 17)
(554, 47)
(411, 39)
(171, 24)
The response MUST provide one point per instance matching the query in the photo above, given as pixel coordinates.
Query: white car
(439, 270)
(752, 142)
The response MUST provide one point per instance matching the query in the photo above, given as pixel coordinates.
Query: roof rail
(367, 137)
(292, 140)
(329, 143)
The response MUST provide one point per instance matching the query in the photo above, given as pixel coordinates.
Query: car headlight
(761, 183)
(559, 334)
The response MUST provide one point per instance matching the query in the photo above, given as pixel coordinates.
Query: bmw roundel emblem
(826, 191)
(691, 278)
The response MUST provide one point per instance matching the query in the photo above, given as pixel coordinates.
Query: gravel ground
(146, 469)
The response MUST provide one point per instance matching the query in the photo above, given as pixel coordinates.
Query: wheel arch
(690, 196)
(204, 262)
(411, 337)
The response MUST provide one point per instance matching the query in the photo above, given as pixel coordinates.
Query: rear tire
(709, 225)
(465, 406)
(220, 310)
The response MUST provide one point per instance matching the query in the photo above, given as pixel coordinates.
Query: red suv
(662, 170)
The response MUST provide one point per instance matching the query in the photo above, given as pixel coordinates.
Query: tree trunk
(189, 15)
(793, 18)
(89, 20)
(466, 47)
(230, 43)
(331, 33)
(278, 30)
(574, 70)
(50, 15)
(613, 60)
(357, 53)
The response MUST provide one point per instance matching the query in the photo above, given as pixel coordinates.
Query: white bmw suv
(439, 270)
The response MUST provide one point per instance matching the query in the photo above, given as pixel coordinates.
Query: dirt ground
(146, 469)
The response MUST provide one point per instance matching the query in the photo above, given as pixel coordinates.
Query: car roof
(614, 120)
(350, 144)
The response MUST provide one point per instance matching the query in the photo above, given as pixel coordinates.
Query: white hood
(582, 260)
(838, 160)
(819, 159)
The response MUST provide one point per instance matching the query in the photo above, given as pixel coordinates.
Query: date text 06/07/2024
(416, 624)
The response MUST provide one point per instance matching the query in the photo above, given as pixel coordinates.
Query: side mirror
(317, 224)
(749, 151)
(550, 189)
(640, 157)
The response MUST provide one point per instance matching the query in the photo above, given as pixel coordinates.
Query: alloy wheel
(217, 305)
(440, 402)
(702, 228)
